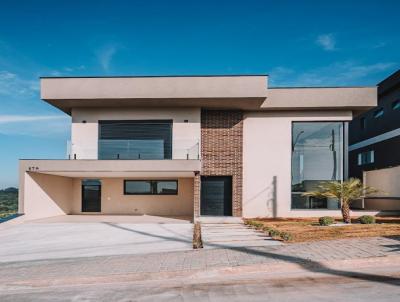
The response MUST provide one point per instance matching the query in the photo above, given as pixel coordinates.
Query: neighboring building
(374, 136)
(374, 151)
(192, 146)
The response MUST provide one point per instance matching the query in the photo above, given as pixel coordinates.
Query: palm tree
(346, 191)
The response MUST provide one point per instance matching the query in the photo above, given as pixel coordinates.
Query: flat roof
(159, 76)
(244, 92)
(220, 91)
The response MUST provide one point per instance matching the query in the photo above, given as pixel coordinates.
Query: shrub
(266, 229)
(326, 220)
(274, 233)
(366, 219)
(255, 224)
(286, 236)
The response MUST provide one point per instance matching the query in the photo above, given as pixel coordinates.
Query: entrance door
(91, 196)
(216, 195)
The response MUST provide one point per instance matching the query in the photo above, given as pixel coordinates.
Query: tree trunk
(346, 211)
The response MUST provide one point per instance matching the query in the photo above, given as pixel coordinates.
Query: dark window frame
(153, 186)
(396, 105)
(363, 123)
(378, 113)
(167, 153)
(366, 158)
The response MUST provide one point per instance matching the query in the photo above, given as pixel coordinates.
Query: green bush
(326, 220)
(254, 224)
(274, 233)
(286, 236)
(366, 219)
(266, 229)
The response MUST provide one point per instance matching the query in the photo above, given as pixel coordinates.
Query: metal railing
(135, 150)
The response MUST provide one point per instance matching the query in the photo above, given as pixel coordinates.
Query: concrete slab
(52, 240)
(86, 218)
(219, 220)
(216, 235)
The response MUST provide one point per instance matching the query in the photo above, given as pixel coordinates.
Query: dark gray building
(374, 136)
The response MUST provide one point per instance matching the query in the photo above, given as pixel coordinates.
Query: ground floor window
(317, 155)
(150, 187)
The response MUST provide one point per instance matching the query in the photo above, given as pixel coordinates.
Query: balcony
(111, 149)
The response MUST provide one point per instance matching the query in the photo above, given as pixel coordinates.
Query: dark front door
(216, 195)
(91, 196)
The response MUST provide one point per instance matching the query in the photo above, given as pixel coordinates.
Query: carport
(71, 236)
(56, 187)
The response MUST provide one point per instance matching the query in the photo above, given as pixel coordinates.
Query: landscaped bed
(308, 229)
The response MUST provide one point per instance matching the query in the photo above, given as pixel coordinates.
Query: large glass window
(135, 139)
(151, 187)
(317, 155)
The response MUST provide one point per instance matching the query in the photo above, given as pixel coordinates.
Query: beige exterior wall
(46, 195)
(84, 136)
(51, 195)
(385, 180)
(267, 162)
(113, 200)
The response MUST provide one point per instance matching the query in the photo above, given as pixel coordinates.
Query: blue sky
(298, 43)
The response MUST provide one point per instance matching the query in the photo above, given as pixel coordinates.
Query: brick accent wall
(222, 149)
(196, 192)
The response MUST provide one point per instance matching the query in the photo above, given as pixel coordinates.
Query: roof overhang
(113, 168)
(241, 92)
(324, 98)
(247, 92)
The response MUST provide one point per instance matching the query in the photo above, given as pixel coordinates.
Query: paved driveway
(70, 237)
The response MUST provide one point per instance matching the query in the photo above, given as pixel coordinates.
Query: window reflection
(317, 155)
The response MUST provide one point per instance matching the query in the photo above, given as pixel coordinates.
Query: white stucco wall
(267, 160)
(84, 136)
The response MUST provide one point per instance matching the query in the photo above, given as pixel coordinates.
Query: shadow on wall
(48, 195)
(219, 119)
(271, 202)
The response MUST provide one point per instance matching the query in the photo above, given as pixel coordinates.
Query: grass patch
(308, 229)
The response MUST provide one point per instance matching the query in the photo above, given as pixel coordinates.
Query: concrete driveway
(88, 236)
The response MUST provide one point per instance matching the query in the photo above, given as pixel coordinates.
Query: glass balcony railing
(136, 150)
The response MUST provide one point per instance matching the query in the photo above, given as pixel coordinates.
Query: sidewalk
(309, 255)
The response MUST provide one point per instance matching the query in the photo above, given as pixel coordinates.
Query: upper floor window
(144, 139)
(367, 157)
(396, 105)
(363, 123)
(378, 113)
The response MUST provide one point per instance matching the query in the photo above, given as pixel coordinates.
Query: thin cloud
(326, 41)
(36, 126)
(105, 55)
(12, 84)
(379, 45)
(338, 74)
(28, 118)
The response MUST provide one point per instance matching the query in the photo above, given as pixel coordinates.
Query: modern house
(193, 146)
(374, 151)
(374, 135)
